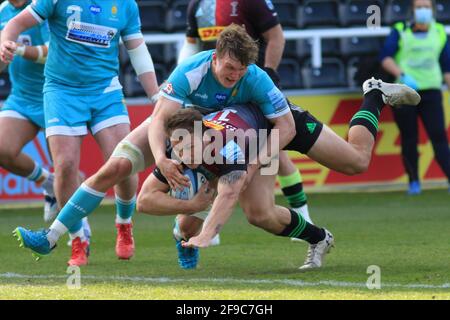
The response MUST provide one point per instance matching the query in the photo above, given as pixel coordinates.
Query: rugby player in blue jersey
(22, 114)
(82, 92)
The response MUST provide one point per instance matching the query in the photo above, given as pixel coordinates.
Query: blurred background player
(82, 91)
(22, 114)
(205, 20)
(417, 53)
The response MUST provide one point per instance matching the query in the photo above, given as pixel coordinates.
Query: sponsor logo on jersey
(221, 97)
(114, 10)
(213, 125)
(95, 9)
(210, 33)
(90, 34)
(168, 88)
(203, 96)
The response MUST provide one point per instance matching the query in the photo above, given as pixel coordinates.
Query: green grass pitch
(406, 237)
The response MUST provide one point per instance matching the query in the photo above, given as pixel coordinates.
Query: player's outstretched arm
(157, 138)
(11, 32)
(155, 200)
(228, 189)
(142, 63)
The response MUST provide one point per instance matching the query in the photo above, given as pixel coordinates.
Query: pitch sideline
(293, 283)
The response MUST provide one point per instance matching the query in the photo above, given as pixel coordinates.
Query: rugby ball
(197, 179)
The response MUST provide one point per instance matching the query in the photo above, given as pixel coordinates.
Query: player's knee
(113, 172)
(129, 157)
(258, 219)
(7, 155)
(189, 227)
(143, 203)
(355, 168)
(66, 168)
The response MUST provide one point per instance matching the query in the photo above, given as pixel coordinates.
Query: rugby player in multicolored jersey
(22, 114)
(82, 92)
(214, 80)
(205, 20)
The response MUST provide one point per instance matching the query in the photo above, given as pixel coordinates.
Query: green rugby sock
(292, 188)
(301, 229)
(369, 113)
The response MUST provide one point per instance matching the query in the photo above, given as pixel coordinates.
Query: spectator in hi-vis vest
(417, 53)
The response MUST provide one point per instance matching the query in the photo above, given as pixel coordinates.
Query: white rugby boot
(317, 252)
(394, 94)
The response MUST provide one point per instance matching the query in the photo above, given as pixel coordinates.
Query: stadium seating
(358, 46)
(176, 17)
(396, 10)
(443, 11)
(153, 15)
(318, 13)
(330, 47)
(287, 12)
(331, 74)
(131, 85)
(5, 85)
(290, 74)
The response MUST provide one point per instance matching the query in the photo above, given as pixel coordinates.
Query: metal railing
(315, 35)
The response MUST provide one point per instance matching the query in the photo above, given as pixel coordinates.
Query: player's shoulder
(4, 6)
(255, 74)
(132, 4)
(197, 61)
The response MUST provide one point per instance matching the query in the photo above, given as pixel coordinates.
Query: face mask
(423, 15)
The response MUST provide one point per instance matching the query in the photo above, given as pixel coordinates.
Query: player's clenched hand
(196, 242)
(172, 171)
(203, 198)
(7, 49)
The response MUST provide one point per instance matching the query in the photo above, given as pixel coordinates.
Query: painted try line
(294, 283)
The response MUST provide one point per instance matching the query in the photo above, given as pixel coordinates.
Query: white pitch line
(289, 282)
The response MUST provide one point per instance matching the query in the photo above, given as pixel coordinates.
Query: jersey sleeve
(42, 9)
(2, 6)
(444, 58)
(132, 29)
(192, 27)
(390, 46)
(268, 97)
(45, 33)
(262, 14)
(177, 87)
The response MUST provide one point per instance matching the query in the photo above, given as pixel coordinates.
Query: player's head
(18, 3)
(235, 51)
(185, 131)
